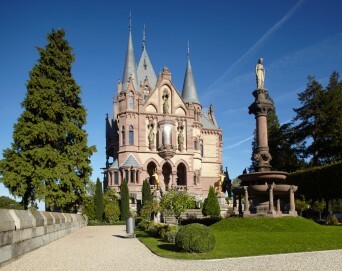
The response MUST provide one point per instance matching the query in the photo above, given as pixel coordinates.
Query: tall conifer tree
(49, 156)
(98, 200)
(124, 202)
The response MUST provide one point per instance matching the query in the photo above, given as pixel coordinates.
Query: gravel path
(107, 248)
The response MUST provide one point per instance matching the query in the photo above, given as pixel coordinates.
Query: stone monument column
(246, 209)
(292, 211)
(271, 202)
(260, 108)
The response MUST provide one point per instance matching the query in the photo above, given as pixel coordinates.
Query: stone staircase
(195, 213)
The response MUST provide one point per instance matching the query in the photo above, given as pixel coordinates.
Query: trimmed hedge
(195, 238)
(319, 182)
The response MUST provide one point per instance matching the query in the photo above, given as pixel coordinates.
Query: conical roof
(130, 65)
(145, 68)
(189, 92)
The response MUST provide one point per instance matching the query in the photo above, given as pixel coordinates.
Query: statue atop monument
(260, 74)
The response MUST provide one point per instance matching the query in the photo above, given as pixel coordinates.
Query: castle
(157, 130)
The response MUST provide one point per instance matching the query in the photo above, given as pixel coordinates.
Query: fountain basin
(263, 176)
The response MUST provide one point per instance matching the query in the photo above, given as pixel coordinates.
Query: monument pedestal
(223, 204)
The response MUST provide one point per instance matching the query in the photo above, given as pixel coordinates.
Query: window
(116, 178)
(130, 100)
(132, 176)
(195, 145)
(123, 135)
(201, 148)
(127, 176)
(131, 135)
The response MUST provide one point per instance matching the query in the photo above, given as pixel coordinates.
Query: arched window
(130, 100)
(131, 135)
(123, 135)
(201, 148)
(181, 174)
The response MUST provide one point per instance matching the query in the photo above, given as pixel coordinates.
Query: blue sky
(295, 39)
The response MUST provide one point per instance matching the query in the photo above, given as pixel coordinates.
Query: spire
(189, 93)
(144, 38)
(145, 68)
(130, 65)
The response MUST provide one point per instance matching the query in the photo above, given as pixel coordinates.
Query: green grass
(237, 237)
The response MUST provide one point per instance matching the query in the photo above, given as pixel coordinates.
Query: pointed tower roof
(145, 68)
(189, 93)
(130, 65)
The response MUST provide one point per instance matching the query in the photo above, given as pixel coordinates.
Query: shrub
(112, 212)
(195, 238)
(143, 224)
(332, 220)
(169, 234)
(211, 206)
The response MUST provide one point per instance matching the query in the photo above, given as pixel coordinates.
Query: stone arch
(151, 108)
(180, 111)
(150, 168)
(181, 174)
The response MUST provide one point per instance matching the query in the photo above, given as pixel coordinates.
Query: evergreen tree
(124, 203)
(309, 133)
(146, 192)
(98, 200)
(49, 156)
(332, 120)
(211, 206)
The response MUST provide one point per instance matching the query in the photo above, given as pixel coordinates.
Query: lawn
(237, 237)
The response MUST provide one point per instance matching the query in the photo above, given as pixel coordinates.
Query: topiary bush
(195, 238)
(211, 207)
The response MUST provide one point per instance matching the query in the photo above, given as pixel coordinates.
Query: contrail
(238, 143)
(269, 32)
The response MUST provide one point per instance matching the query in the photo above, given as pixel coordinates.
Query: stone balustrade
(22, 231)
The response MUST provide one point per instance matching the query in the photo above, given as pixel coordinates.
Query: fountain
(262, 188)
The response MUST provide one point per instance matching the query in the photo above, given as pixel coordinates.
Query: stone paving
(107, 248)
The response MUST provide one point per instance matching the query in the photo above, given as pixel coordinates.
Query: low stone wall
(22, 231)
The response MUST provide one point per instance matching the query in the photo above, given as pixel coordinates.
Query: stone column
(271, 203)
(235, 210)
(292, 211)
(240, 205)
(246, 209)
(279, 212)
(173, 179)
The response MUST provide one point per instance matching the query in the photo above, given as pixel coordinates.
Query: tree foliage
(98, 201)
(211, 207)
(319, 206)
(124, 202)
(318, 128)
(49, 156)
(319, 182)
(112, 212)
(8, 203)
(302, 205)
(175, 202)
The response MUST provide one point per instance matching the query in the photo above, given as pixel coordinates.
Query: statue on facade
(180, 138)
(156, 180)
(166, 105)
(260, 74)
(151, 136)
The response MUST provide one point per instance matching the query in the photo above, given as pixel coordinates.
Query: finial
(188, 49)
(144, 38)
(130, 20)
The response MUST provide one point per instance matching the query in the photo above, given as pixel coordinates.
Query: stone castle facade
(157, 129)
